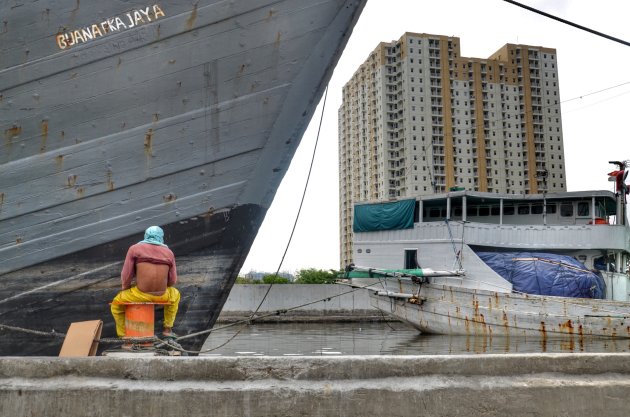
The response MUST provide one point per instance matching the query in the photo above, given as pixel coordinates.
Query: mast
(621, 189)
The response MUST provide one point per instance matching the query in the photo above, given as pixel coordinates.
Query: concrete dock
(470, 385)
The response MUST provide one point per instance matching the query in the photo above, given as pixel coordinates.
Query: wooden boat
(453, 231)
(119, 115)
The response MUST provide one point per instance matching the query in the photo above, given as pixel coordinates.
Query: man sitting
(153, 265)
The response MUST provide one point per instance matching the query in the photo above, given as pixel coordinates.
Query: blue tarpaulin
(384, 216)
(546, 274)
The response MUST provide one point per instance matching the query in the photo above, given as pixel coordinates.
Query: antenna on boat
(621, 189)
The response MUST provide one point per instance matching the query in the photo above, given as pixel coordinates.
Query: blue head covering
(154, 235)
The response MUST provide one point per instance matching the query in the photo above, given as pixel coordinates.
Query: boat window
(457, 211)
(508, 210)
(537, 209)
(523, 209)
(551, 208)
(604, 263)
(495, 210)
(566, 210)
(582, 208)
(600, 211)
(416, 212)
(411, 259)
(484, 211)
(471, 211)
(434, 212)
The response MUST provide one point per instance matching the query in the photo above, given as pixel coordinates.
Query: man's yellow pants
(134, 295)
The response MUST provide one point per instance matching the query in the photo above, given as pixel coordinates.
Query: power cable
(567, 22)
(595, 92)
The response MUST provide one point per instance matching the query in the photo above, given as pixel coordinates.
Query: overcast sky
(594, 125)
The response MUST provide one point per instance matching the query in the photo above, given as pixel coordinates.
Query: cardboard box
(81, 339)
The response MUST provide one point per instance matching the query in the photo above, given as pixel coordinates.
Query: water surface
(381, 338)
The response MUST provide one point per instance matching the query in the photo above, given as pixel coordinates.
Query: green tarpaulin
(384, 216)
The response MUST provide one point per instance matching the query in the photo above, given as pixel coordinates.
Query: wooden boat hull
(441, 309)
(115, 116)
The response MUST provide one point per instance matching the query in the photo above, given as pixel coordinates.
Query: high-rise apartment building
(418, 118)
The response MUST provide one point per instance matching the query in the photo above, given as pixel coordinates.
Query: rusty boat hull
(483, 270)
(116, 116)
(459, 311)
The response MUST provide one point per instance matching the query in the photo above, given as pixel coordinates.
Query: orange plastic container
(140, 319)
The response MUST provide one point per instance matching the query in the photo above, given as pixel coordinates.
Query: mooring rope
(166, 341)
(59, 335)
(172, 342)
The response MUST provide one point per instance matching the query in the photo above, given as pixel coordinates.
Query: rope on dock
(172, 342)
(59, 335)
(52, 333)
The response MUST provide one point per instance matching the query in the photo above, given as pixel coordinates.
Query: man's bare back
(152, 266)
(151, 278)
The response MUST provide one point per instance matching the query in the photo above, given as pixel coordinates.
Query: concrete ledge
(338, 303)
(488, 385)
(309, 316)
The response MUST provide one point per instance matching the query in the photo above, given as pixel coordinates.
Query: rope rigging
(169, 341)
(297, 216)
(252, 317)
(115, 340)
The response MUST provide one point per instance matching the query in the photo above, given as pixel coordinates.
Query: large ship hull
(115, 117)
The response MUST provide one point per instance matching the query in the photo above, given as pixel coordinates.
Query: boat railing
(513, 235)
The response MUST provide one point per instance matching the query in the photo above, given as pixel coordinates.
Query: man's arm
(128, 270)
(172, 274)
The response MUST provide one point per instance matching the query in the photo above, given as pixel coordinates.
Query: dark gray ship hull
(185, 116)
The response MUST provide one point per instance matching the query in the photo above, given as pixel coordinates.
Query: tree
(316, 276)
(274, 279)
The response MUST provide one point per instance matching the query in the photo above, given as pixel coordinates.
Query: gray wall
(353, 305)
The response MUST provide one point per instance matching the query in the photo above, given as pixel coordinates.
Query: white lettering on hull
(69, 38)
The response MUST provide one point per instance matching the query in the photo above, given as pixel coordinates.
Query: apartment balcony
(438, 162)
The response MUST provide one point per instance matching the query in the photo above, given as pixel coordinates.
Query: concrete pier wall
(489, 385)
(340, 303)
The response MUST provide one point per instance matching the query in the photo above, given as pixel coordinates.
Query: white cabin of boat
(449, 228)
